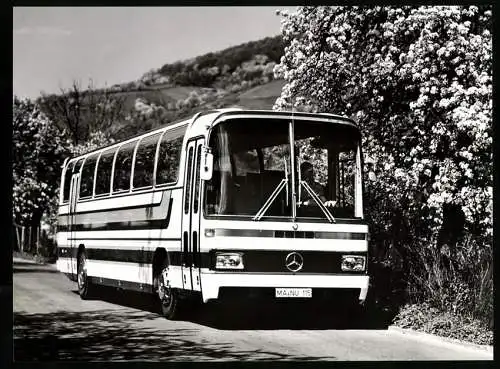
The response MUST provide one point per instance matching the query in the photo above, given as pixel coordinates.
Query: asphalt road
(51, 322)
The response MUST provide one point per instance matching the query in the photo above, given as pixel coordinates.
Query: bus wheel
(169, 297)
(85, 286)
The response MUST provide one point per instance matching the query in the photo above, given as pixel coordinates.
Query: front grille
(274, 261)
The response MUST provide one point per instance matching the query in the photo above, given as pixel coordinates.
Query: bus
(228, 203)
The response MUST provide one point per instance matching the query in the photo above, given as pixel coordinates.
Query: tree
(95, 141)
(418, 79)
(82, 112)
(39, 149)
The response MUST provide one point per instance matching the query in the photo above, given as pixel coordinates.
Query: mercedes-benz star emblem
(294, 262)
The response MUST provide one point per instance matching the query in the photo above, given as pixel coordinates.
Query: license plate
(293, 292)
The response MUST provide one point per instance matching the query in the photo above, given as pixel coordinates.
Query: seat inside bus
(245, 195)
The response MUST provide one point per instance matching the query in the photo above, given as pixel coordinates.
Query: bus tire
(85, 287)
(170, 302)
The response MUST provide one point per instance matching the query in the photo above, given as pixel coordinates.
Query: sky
(52, 46)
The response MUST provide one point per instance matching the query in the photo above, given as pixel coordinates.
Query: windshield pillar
(291, 130)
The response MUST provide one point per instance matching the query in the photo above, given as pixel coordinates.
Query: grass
(268, 90)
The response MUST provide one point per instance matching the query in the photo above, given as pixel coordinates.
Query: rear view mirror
(207, 163)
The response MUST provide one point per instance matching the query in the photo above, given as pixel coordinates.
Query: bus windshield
(253, 173)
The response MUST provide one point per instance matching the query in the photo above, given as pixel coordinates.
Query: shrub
(423, 317)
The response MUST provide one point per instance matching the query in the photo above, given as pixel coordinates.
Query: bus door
(191, 218)
(73, 197)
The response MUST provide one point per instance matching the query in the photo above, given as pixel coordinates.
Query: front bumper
(214, 282)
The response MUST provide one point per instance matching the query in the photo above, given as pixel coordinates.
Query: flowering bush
(145, 109)
(96, 140)
(419, 82)
(39, 149)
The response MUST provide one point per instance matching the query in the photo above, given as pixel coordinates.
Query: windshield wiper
(316, 199)
(283, 183)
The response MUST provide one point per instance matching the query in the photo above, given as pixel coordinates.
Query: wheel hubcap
(164, 290)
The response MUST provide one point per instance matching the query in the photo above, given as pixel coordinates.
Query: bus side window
(123, 167)
(169, 155)
(67, 181)
(103, 176)
(87, 179)
(144, 161)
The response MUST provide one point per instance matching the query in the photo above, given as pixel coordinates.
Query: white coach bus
(214, 206)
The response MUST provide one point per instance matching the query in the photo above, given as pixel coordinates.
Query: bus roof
(285, 114)
(201, 120)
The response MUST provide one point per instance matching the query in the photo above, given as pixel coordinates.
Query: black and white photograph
(252, 183)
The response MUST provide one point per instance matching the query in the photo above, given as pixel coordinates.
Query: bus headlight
(353, 263)
(229, 260)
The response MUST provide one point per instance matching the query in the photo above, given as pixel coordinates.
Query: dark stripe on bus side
(114, 209)
(150, 210)
(115, 226)
(126, 285)
(255, 261)
(136, 256)
(135, 286)
(127, 256)
(288, 234)
(143, 217)
(118, 226)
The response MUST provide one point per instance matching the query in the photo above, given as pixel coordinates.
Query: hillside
(261, 97)
(258, 97)
(241, 75)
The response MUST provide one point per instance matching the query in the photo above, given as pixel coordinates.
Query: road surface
(51, 322)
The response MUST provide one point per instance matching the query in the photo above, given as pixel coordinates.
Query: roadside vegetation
(425, 318)
(418, 79)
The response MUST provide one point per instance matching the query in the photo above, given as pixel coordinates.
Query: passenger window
(67, 181)
(104, 167)
(168, 159)
(145, 160)
(123, 167)
(87, 180)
